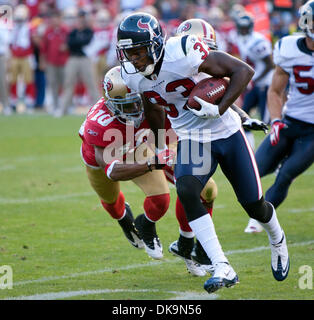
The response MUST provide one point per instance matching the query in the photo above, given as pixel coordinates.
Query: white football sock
(204, 230)
(186, 234)
(273, 228)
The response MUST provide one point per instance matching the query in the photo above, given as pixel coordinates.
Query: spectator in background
(170, 9)
(78, 66)
(100, 44)
(22, 58)
(4, 51)
(54, 55)
(38, 27)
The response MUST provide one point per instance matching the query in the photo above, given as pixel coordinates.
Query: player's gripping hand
(255, 124)
(164, 157)
(276, 126)
(207, 111)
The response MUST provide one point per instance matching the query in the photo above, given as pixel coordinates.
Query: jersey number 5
(308, 80)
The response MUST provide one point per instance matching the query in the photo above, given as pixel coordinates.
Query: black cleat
(129, 229)
(147, 232)
(182, 248)
(199, 256)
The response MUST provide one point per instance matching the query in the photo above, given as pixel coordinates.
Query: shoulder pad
(286, 48)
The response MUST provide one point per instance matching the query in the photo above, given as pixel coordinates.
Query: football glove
(164, 157)
(255, 124)
(276, 126)
(207, 111)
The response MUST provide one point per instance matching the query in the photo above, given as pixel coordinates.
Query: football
(210, 89)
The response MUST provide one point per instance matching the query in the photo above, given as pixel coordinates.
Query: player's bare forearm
(275, 93)
(155, 116)
(220, 64)
(122, 171)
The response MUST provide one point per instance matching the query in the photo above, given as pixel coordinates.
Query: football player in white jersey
(291, 141)
(183, 247)
(256, 50)
(165, 73)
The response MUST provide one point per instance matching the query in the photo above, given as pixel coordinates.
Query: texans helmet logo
(146, 26)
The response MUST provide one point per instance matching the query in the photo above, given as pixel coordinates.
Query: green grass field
(61, 244)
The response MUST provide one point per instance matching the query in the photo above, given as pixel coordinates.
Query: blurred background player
(79, 66)
(22, 59)
(4, 57)
(290, 144)
(255, 50)
(53, 57)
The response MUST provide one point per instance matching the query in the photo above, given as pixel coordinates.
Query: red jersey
(102, 129)
(52, 45)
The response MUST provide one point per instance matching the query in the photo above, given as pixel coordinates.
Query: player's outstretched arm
(276, 92)
(118, 171)
(220, 64)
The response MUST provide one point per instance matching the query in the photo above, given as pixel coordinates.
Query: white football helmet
(124, 104)
(199, 28)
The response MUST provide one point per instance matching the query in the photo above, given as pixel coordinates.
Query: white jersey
(253, 48)
(171, 88)
(292, 55)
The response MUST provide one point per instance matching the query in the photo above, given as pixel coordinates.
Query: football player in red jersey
(108, 119)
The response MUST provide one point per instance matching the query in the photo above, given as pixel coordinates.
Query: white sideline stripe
(70, 294)
(40, 157)
(8, 167)
(144, 265)
(297, 210)
(46, 198)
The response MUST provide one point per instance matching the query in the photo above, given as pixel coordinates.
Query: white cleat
(147, 232)
(253, 227)
(224, 276)
(280, 262)
(154, 248)
(194, 268)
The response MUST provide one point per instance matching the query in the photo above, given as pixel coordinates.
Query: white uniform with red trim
(171, 88)
(291, 54)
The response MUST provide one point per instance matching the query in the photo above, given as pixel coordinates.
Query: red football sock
(116, 209)
(156, 206)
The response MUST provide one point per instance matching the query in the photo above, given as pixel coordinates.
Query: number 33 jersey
(292, 55)
(171, 88)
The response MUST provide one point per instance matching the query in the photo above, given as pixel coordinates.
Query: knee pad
(210, 191)
(260, 210)
(156, 206)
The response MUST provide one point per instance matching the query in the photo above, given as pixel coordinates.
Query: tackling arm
(220, 64)
(121, 171)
